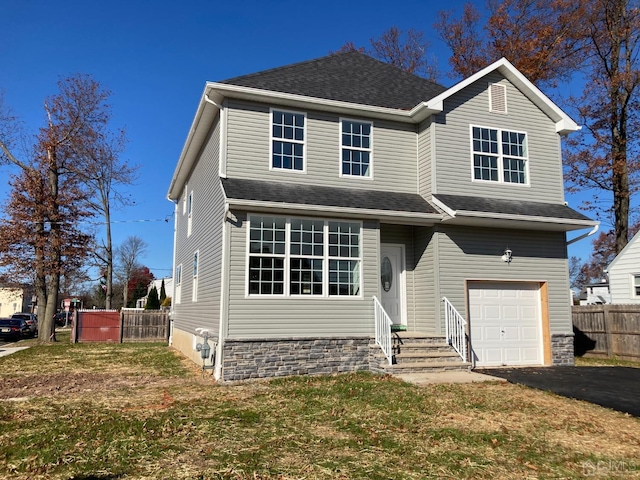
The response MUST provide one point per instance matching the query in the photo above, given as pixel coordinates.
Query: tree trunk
(109, 256)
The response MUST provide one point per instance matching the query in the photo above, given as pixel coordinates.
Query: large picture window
(298, 257)
(287, 140)
(356, 148)
(499, 155)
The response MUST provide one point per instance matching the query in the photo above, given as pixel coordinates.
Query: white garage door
(505, 323)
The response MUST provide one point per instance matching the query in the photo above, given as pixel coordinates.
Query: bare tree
(75, 117)
(128, 259)
(103, 174)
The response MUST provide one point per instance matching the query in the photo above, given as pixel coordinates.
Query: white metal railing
(456, 328)
(383, 329)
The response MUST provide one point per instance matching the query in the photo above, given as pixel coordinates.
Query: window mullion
(325, 259)
(287, 257)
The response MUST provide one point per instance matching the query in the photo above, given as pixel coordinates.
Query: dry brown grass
(136, 412)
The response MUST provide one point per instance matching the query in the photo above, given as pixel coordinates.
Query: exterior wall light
(507, 255)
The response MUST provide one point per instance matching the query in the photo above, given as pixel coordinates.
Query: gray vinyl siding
(474, 254)
(206, 238)
(426, 295)
(470, 106)
(425, 158)
(621, 275)
(287, 317)
(248, 150)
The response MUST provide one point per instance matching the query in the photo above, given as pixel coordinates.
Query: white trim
(564, 124)
(222, 161)
(389, 215)
(206, 111)
(633, 276)
(622, 252)
(326, 258)
(287, 140)
(190, 213)
(500, 157)
(184, 199)
(402, 277)
(442, 206)
(342, 147)
(177, 285)
(196, 273)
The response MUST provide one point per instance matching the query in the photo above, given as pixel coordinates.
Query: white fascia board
(564, 123)
(446, 209)
(622, 252)
(382, 215)
(205, 113)
(302, 101)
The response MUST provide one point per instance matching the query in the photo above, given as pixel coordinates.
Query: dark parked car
(30, 318)
(14, 328)
(60, 319)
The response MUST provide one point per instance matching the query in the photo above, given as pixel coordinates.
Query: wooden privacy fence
(607, 330)
(128, 325)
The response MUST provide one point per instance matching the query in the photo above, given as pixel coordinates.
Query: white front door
(392, 290)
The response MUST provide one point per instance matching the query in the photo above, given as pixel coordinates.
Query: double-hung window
(287, 140)
(178, 283)
(196, 259)
(189, 213)
(299, 257)
(499, 155)
(636, 285)
(355, 148)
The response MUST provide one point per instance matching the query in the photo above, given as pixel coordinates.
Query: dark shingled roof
(510, 207)
(294, 193)
(347, 77)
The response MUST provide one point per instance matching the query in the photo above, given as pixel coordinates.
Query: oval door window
(386, 274)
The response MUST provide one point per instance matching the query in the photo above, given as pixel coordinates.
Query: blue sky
(155, 56)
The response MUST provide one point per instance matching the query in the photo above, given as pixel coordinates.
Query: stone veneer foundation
(562, 349)
(259, 358)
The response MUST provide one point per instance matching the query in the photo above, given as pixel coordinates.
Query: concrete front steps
(415, 352)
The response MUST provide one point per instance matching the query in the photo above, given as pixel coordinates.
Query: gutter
(588, 234)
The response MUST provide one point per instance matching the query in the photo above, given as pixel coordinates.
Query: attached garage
(505, 323)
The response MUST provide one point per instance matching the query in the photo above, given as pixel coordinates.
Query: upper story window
(298, 257)
(189, 213)
(636, 285)
(356, 148)
(287, 140)
(499, 155)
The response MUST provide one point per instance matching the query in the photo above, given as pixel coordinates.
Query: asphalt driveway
(617, 388)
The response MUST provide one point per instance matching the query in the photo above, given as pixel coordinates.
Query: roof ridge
(282, 67)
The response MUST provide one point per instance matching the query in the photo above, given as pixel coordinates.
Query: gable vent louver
(497, 98)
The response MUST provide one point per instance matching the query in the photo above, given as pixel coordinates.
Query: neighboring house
(624, 273)
(595, 294)
(168, 288)
(15, 299)
(305, 191)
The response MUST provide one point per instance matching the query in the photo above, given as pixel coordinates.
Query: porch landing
(415, 352)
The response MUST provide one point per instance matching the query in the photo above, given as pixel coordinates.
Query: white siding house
(624, 273)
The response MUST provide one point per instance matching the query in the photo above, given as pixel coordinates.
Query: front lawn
(140, 411)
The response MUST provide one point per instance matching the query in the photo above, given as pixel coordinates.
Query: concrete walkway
(454, 376)
(4, 351)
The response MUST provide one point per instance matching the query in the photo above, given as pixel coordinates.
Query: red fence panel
(97, 326)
